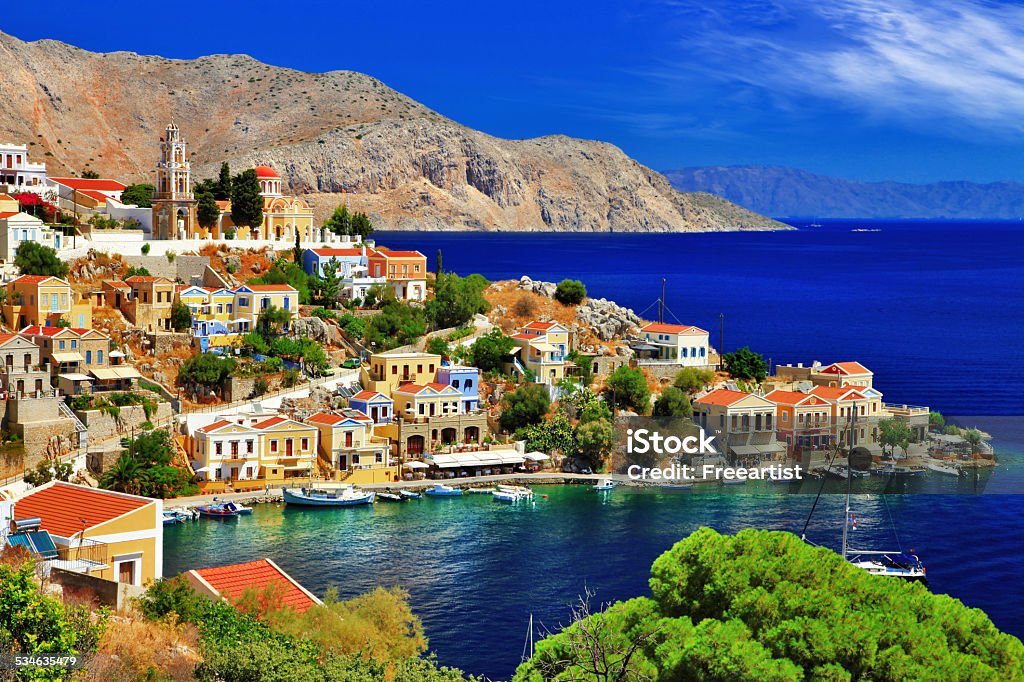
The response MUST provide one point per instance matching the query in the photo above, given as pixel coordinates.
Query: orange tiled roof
(542, 326)
(36, 279)
(794, 398)
(142, 278)
(267, 423)
(399, 254)
(662, 328)
(847, 368)
(89, 183)
(231, 581)
(838, 393)
(8, 214)
(524, 336)
(4, 338)
(411, 388)
(271, 287)
(367, 395)
(723, 396)
(328, 253)
(62, 507)
(118, 284)
(325, 418)
(214, 426)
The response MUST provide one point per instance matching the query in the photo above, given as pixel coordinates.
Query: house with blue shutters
(379, 407)
(466, 380)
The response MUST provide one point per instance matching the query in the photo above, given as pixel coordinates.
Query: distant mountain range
(790, 192)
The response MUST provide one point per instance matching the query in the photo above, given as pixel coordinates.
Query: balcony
(90, 556)
(904, 410)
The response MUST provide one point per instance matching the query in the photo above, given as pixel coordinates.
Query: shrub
(525, 406)
(145, 249)
(570, 292)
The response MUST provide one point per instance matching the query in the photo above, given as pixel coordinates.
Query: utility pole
(721, 337)
(661, 303)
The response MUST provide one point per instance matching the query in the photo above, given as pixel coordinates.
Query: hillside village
(201, 337)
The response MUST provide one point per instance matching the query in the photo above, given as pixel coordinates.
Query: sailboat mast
(849, 477)
(661, 303)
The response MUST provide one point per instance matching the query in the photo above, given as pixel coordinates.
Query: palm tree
(125, 475)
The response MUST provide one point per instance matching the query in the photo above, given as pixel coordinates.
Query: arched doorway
(448, 435)
(277, 232)
(472, 434)
(181, 224)
(414, 445)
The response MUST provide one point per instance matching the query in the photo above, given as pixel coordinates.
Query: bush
(745, 364)
(570, 292)
(692, 379)
(627, 388)
(672, 402)
(145, 249)
(525, 406)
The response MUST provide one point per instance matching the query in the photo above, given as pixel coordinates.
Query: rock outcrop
(334, 137)
(607, 319)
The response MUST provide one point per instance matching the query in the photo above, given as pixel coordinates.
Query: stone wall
(183, 267)
(667, 372)
(92, 588)
(164, 342)
(103, 426)
(48, 440)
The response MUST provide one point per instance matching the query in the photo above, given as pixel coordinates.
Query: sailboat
(528, 644)
(893, 563)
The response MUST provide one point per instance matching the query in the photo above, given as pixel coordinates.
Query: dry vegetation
(135, 649)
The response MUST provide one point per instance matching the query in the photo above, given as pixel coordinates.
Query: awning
(116, 354)
(203, 470)
(476, 459)
(744, 449)
(771, 447)
(75, 376)
(416, 464)
(115, 373)
(536, 456)
(68, 357)
(300, 467)
(544, 347)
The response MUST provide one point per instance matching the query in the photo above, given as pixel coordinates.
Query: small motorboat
(480, 491)
(672, 487)
(604, 484)
(218, 511)
(390, 497)
(948, 468)
(170, 518)
(442, 490)
(345, 496)
(408, 495)
(511, 493)
(240, 508)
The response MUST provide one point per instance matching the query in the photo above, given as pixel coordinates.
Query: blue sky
(902, 89)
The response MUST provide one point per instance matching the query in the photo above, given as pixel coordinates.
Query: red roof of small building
(269, 287)
(399, 254)
(142, 278)
(267, 423)
(325, 418)
(411, 388)
(794, 398)
(94, 194)
(838, 393)
(100, 184)
(525, 336)
(118, 284)
(214, 426)
(266, 172)
(4, 215)
(847, 368)
(337, 253)
(62, 507)
(542, 326)
(36, 279)
(6, 197)
(662, 328)
(367, 395)
(4, 338)
(37, 330)
(231, 581)
(723, 396)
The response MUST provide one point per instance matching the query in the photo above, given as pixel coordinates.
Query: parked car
(351, 363)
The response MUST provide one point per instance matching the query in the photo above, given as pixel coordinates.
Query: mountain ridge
(782, 191)
(337, 136)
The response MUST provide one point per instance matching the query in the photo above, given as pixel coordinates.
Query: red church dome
(266, 172)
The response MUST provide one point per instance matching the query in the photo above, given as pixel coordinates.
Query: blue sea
(935, 309)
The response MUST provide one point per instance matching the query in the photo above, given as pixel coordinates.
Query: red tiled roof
(438, 387)
(89, 183)
(410, 388)
(325, 418)
(523, 335)
(4, 338)
(37, 330)
(82, 332)
(543, 326)
(62, 507)
(399, 254)
(330, 253)
(119, 284)
(847, 368)
(231, 581)
(6, 197)
(93, 194)
(723, 396)
(266, 172)
(214, 426)
(267, 423)
(662, 328)
(367, 395)
(4, 215)
(794, 398)
(838, 393)
(269, 287)
(142, 278)
(36, 279)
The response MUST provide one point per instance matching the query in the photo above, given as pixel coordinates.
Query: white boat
(511, 493)
(442, 490)
(345, 496)
(604, 484)
(945, 468)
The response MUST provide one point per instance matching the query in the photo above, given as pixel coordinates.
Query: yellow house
(288, 448)
(428, 400)
(43, 300)
(226, 451)
(106, 534)
(388, 371)
(350, 449)
(542, 348)
(149, 306)
(250, 300)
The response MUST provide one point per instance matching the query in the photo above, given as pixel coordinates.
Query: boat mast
(849, 476)
(528, 644)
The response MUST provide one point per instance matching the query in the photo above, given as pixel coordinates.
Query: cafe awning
(744, 449)
(68, 357)
(536, 456)
(115, 373)
(771, 447)
(416, 464)
(75, 376)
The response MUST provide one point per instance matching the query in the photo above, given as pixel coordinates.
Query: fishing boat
(346, 496)
(670, 487)
(408, 495)
(389, 497)
(241, 508)
(945, 468)
(604, 484)
(171, 518)
(442, 490)
(891, 469)
(218, 511)
(512, 493)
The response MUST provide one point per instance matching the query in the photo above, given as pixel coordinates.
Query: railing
(90, 550)
(905, 410)
(80, 428)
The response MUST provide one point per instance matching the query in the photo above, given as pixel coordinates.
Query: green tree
(550, 435)
(286, 271)
(491, 351)
(693, 379)
(326, 285)
(672, 402)
(936, 422)
(207, 210)
(524, 406)
(136, 271)
(745, 364)
(570, 292)
(595, 439)
(146, 467)
(456, 300)
(893, 433)
(141, 195)
(246, 200)
(361, 225)
(273, 320)
(397, 324)
(438, 269)
(627, 388)
(224, 183)
(181, 317)
(439, 346)
(90, 174)
(33, 258)
(974, 439)
(206, 369)
(340, 222)
(737, 608)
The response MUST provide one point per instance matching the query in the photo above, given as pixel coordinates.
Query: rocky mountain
(337, 136)
(790, 192)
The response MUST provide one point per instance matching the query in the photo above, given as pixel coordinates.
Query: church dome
(266, 172)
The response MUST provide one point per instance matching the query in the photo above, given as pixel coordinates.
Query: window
(248, 446)
(74, 344)
(379, 458)
(218, 448)
(243, 302)
(220, 308)
(785, 417)
(394, 369)
(273, 445)
(455, 383)
(684, 352)
(62, 344)
(355, 458)
(703, 351)
(305, 444)
(469, 384)
(287, 302)
(419, 369)
(54, 305)
(431, 369)
(99, 357)
(88, 357)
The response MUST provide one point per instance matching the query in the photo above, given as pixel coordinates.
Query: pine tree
(246, 200)
(340, 222)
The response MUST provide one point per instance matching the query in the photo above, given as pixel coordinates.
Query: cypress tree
(246, 200)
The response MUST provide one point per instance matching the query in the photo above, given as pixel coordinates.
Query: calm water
(934, 309)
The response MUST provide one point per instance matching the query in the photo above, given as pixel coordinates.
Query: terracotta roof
(325, 418)
(847, 368)
(93, 194)
(6, 197)
(214, 426)
(4, 215)
(82, 332)
(331, 253)
(232, 581)
(399, 254)
(662, 328)
(267, 423)
(118, 284)
(543, 326)
(411, 388)
(266, 172)
(37, 330)
(62, 507)
(838, 393)
(794, 398)
(722, 396)
(142, 278)
(36, 279)
(4, 338)
(89, 183)
(438, 387)
(270, 287)
(367, 395)
(525, 336)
